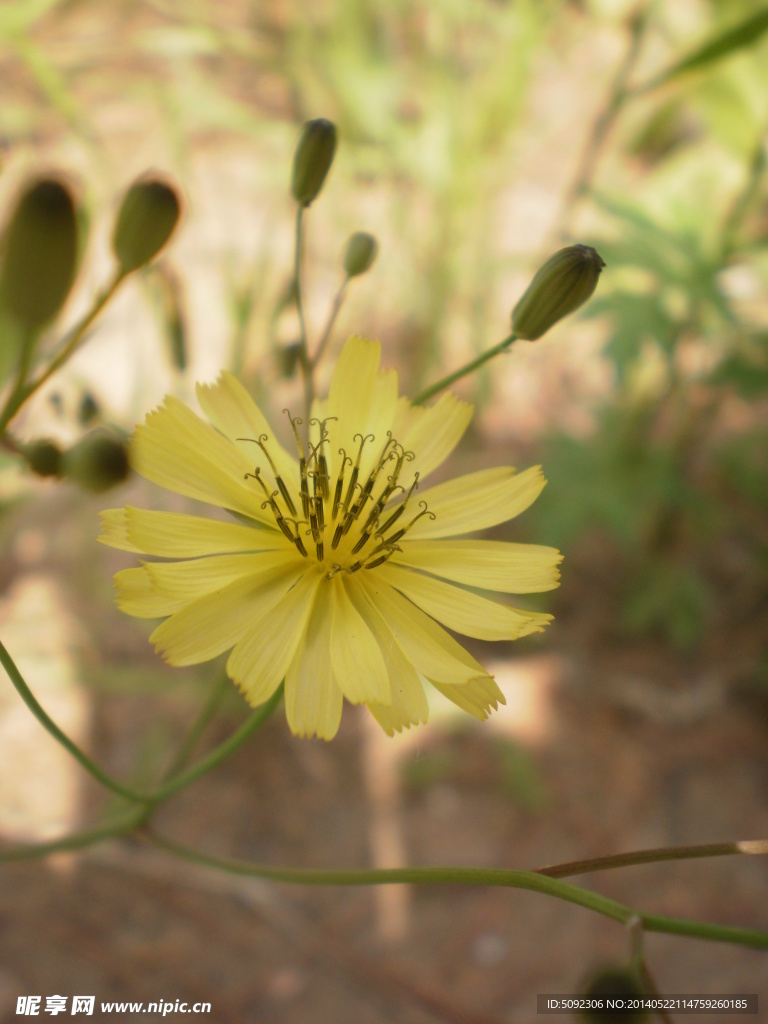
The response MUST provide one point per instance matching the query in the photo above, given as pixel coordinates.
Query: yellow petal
(177, 450)
(351, 396)
(434, 434)
(189, 579)
(136, 596)
(477, 698)
(477, 501)
(357, 661)
(177, 535)
(232, 411)
(427, 646)
(488, 564)
(261, 659)
(461, 610)
(212, 624)
(409, 704)
(313, 699)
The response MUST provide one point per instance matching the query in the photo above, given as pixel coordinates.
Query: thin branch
(469, 367)
(663, 853)
(530, 880)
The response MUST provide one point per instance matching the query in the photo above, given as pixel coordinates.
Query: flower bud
(312, 159)
(148, 214)
(97, 463)
(44, 458)
(563, 284)
(41, 250)
(360, 253)
(621, 982)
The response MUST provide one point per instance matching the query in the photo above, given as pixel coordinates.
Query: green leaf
(718, 46)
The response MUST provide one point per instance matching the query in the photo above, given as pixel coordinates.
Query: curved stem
(197, 729)
(165, 789)
(464, 370)
(77, 841)
(23, 391)
(664, 853)
(331, 321)
(530, 880)
(218, 754)
(61, 737)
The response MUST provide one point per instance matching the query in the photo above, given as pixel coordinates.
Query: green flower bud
(148, 214)
(44, 458)
(619, 981)
(563, 284)
(312, 159)
(360, 253)
(97, 463)
(41, 251)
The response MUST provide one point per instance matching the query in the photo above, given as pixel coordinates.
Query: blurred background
(475, 139)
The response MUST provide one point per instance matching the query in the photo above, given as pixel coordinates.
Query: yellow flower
(339, 568)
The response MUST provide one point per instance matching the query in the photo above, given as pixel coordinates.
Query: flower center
(357, 523)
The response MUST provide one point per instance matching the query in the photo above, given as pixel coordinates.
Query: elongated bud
(41, 250)
(148, 214)
(312, 159)
(563, 284)
(97, 463)
(360, 253)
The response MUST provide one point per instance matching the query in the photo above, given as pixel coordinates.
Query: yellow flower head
(339, 567)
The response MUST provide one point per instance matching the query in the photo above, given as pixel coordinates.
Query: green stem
(61, 737)
(304, 360)
(165, 789)
(23, 391)
(331, 321)
(218, 754)
(189, 742)
(530, 880)
(664, 853)
(464, 370)
(77, 841)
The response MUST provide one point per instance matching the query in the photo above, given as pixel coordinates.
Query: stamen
(304, 488)
(424, 512)
(339, 484)
(356, 469)
(278, 479)
(391, 549)
(338, 534)
(300, 544)
(400, 508)
(295, 424)
(364, 538)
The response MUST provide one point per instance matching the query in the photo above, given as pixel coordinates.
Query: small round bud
(312, 159)
(41, 250)
(97, 463)
(360, 253)
(620, 982)
(44, 458)
(563, 284)
(148, 214)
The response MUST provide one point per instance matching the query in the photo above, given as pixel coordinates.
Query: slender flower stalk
(336, 571)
